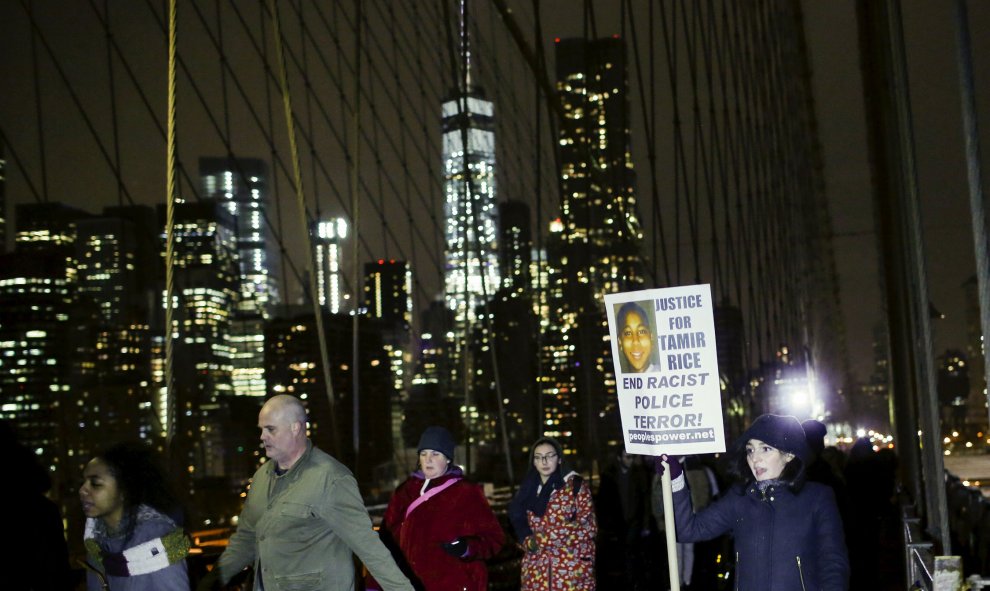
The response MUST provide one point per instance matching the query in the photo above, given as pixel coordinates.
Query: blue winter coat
(784, 541)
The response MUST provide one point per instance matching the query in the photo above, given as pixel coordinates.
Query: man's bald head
(282, 421)
(288, 407)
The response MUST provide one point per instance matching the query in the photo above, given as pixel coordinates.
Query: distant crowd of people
(778, 511)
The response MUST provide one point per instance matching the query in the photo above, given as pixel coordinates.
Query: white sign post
(666, 373)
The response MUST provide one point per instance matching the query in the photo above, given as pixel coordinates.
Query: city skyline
(474, 180)
(846, 231)
(930, 39)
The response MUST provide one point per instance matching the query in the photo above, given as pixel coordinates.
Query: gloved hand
(532, 544)
(210, 582)
(457, 548)
(675, 466)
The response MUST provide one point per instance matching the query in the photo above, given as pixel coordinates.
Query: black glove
(675, 466)
(211, 581)
(457, 548)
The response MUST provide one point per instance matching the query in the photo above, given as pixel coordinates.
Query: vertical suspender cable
(169, 232)
(113, 105)
(540, 288)
(977, 198)
(273, 157)
(303, 225)
(355, 203)
(37, 106)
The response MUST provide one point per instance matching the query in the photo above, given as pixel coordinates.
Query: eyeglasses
(544, 459)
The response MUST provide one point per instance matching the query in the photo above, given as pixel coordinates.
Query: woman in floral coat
(553, 517)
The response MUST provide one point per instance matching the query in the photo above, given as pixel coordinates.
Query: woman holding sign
(788, 533)
(553, 517)
(636, 339)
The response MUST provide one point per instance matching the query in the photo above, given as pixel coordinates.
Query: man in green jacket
(304, 516)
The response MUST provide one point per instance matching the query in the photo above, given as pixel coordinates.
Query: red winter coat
(460, 510)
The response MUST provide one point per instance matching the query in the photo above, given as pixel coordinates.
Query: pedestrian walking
(133, 537)
(554, 519)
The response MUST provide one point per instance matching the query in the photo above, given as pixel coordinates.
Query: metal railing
(918, 555)
(969, 527)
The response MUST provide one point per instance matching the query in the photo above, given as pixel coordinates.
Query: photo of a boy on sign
(637, 337)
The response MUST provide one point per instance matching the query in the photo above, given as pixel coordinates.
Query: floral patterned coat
(564, 556)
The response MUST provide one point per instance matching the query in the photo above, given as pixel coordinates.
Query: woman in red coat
(554, 520)
(441, 522)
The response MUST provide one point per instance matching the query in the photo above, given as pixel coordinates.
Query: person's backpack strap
(575, 487)
(430, 493)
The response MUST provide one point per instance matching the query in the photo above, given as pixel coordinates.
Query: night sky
(77, 175)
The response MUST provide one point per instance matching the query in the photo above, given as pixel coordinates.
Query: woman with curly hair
(132, 540)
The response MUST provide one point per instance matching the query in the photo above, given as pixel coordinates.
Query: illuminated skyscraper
(292, 363)
(515, 246)
(596, 243)
(46, 349)
(113, 397)
(328, 240)
(116, 261)
(471, 270)
(36, 388)
(388, 298)
(601, 222)
(388, 292)
(241, 186)
(506, 338)
(471, 273)
(205, 293)
(48, 227)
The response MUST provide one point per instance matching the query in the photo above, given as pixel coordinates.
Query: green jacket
(299, 529)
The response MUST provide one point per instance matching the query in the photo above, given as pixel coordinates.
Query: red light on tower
(556, 39)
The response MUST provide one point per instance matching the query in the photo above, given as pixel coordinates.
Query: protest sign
(666, 368)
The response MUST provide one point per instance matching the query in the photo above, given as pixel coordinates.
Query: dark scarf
(532, 497)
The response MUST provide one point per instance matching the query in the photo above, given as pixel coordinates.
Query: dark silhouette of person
(623, 508)
(821, 471)
(873, 525)
(35, 556)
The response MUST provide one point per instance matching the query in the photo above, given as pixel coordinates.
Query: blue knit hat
(437, 439)
(783, 432)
